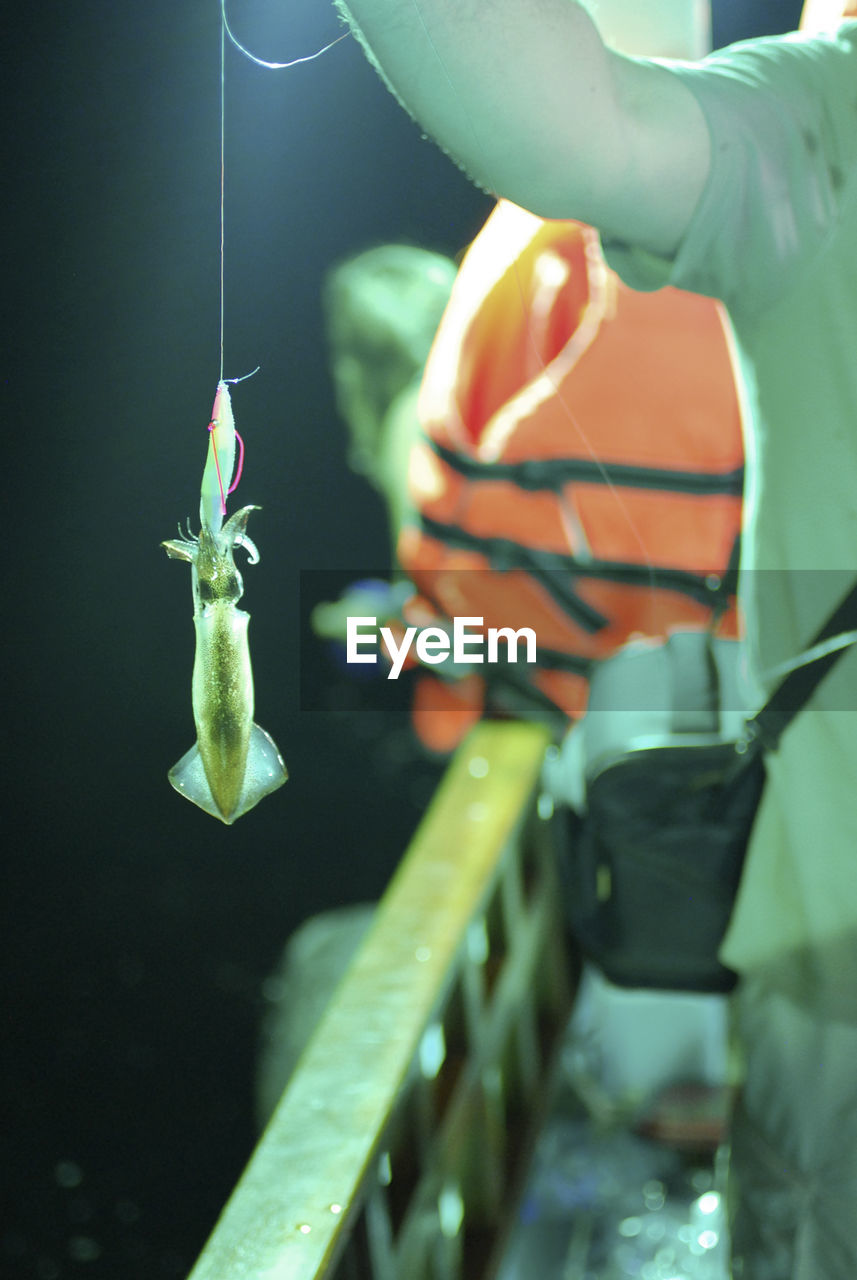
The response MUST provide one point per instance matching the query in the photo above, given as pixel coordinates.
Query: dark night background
(136, 931)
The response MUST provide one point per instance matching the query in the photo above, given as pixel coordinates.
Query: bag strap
(839, 633)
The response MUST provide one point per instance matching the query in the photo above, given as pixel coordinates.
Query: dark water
(136, 931)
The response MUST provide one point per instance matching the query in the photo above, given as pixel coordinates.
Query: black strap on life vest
(556, 572)
(553, 474)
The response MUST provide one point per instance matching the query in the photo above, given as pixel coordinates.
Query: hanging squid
(233, 763)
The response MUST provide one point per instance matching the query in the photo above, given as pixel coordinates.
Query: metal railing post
(395, 1150)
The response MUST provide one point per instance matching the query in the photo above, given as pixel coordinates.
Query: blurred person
(525, 329)
(736, 178)
(382, 308)
(522, 486)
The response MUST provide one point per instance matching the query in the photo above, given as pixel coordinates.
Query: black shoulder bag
(652, 866)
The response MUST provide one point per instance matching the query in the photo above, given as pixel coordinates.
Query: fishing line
(275, 66)
(572, 417)
(222, 174)
(226, 30)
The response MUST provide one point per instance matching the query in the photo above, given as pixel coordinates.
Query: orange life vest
(581, 465)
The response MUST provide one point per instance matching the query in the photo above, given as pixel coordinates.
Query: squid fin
(263, 773)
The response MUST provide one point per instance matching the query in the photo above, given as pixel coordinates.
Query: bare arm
(525, 96)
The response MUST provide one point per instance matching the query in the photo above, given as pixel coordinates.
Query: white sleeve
(782, 114)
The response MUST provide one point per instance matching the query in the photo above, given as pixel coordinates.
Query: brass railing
(396, 1148)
